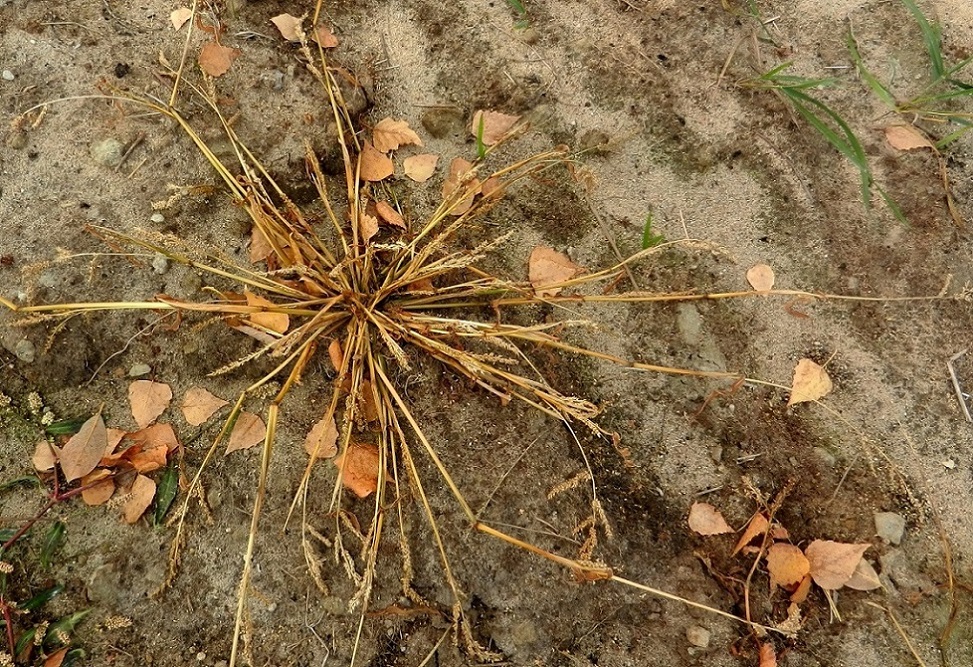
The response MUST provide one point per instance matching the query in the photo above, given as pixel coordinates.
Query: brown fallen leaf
(149, 400)
(420, 168)
(833, 563)
(45, 456)
(323, 36)
(864, 578)
(56, 659)
(367, 226)
(335, 354)
(906, 138)
(707, 520)
(495, 125)
(100, 492)
(260, 248)
(811, 382)
(199, 405)
(288, 26)
(460, 180)
(546, 267)
(359, 469)
(248, 431)
(388, 134)
(157, 435)
(138, 500)
(757, 525)
(322, 441)
(83, 451)
(761, 277)
(178, 17)
(786, 564)
(389, 214)
(768, 658)
(215, 59)
(115, 436)
(375, 165)
(368, 407)
(801, 592)
(276, 322)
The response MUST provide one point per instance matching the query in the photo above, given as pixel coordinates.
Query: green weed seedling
(650, 240)
(796, 91)
(522, 22)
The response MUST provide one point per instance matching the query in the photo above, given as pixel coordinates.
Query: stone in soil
(890, 527)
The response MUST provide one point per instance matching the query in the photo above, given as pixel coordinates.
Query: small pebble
(8, 75)
(698, 636)
(890, 527)
(160, 263)
(25, 351)
(200, 656)
(138, 370)
(157, 218)
(108, 152)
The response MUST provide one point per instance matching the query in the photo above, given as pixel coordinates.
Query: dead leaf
(157, 435)
(811, 382)
(45, 456)
(492, 186)
(288, 26)
(768, 658)
(761, 277)
(707, 520)
(98, 493)
(786, 564)
(459, 177)
(420, 168)
(139, 499)
(199, 405)
(367, 226)
(56, 659)
(335, 354)
(833, 563)
(322, 439)
(178, 17)
(757, 526)
(801, 592)
(84, 450)
(324, 37)
(260, 248)
(388, 134)
(149, 400)
(864, 578)
(115, 436)
(276, 322)
(906, 138)
(496, 125)
(248, 431)
(389, 214)
(778, 532)
(215, 59)
(546, 267)
(375, 165)
(359, 469)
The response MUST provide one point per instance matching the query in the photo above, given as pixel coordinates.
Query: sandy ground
(657, 92)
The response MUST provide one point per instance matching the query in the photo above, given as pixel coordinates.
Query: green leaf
(41, 598)
(480, 146)
(26, 480)
(7, 534)
(63, 627)
(649, 239)
(24, 641)
(877, 86)
(166, 493)
(53, 541)
(932, 36)
(65, 426)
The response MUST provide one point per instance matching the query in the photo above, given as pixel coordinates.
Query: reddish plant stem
(8, 618)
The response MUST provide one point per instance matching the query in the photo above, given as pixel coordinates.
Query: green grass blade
(481, 149)
(650, 240)
(893, 206)
(870, 80)
(932, 37)
(53, 541)
(168, 487)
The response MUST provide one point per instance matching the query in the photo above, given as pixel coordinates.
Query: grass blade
(877, 86)
(932, 36)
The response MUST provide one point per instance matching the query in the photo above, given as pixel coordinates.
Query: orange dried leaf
(248, 431)
(864, 578)
(288, 26)
(906, 138)
(276, 322)
(420, 168)
(139, 498)
(260, 248)
(367, 226)
(324, 37)
(547, 267)
(786, 564)
(811, 382)
(359, 469)
(368, 408)
(335, 354)
(215, 59)
(322, 441)
(149, 400)
(496, 125)
(84, 450)
(768, 658)
(778, 532)
(760, 277)
(56, 659)
(199, 405)
(833, 563)
(375, 165)
(459, 179)
(389, 214)
(100, 492)
(178, 17)
(115, 436)
(157, 435)
(388, 134)
(707, 520)
(757, 526)
(45, 456)
(801, 592)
